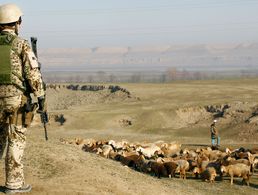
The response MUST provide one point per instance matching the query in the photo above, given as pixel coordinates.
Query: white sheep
(104, 151)
(118, 145)
(238, 170)
(148, 152)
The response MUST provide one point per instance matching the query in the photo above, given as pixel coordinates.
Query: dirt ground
(169, 112)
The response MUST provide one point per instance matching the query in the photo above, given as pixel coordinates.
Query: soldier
(19, 76)
(215, 139)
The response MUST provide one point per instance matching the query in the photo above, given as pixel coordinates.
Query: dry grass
(54, 168)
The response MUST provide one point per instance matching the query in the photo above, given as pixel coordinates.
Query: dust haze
(150, 63)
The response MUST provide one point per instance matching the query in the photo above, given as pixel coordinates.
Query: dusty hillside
(238, 114)
(170, 112)
(63, 97)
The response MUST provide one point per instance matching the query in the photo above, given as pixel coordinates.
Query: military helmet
(9, 13)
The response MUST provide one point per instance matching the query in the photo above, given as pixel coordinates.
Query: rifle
(44, 121)
(43, 114)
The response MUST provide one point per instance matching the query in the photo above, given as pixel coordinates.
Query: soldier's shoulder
(21, 40)
(20, 43)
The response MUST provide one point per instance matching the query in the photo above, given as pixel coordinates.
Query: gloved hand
(41, 102)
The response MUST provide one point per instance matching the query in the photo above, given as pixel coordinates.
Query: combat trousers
(13, 139)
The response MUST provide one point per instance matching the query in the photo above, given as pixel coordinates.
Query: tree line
(171, 74)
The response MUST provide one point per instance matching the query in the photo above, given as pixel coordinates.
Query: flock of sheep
(168, 159)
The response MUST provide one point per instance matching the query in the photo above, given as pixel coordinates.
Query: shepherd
(215, 139)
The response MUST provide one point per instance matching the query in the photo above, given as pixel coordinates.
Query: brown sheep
(209, 174)
(192, 164)
(89, 148)
(158, 169)
(171, 168)
(200, 168)
(243, 161)
(129, 161)
(239, 170)
(142, 164)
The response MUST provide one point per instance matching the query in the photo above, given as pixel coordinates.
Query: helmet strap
(17, 27)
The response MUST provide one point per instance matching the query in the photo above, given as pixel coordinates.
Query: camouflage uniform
(13, 133)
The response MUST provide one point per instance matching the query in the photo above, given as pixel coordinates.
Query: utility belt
(23, 115)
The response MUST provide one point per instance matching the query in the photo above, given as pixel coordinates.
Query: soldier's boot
(23, 189)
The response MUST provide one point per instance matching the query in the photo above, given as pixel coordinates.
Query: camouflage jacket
(25, 64)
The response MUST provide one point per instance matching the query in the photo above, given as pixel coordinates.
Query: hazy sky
(85, 23)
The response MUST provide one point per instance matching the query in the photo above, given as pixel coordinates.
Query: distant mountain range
(207, 58)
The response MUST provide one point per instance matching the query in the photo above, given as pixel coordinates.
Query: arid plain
(181, 111)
